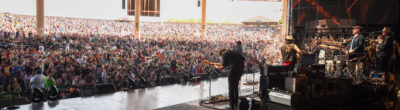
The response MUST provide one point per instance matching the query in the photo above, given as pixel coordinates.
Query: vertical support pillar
(284, 28)
(137, 16)
(203, 18)
(40, 18)
(155, 5)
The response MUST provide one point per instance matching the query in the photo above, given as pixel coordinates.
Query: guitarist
(235, 62)
(356, 47)
(290, 53)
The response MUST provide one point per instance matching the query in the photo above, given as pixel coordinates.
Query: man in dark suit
(235, 62)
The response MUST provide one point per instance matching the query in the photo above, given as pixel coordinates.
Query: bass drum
(340, 61)
(321, 57)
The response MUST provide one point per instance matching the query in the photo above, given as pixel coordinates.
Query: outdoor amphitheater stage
(169, 97)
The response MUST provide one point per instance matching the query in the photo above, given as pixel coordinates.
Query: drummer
(355, 50)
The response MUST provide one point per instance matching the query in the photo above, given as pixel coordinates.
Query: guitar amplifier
(315, 71)
(274, 77)
(318, 68)
(285, 97)
(296, 84)
(272, 70)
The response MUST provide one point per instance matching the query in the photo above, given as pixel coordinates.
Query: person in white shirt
(37, 81)
(41, 49)
(67, 48)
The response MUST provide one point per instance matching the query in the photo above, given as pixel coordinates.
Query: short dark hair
(357, 27)
(222, 51)
(239, 43)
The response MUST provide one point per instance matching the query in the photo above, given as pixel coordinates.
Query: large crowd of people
(79, 53)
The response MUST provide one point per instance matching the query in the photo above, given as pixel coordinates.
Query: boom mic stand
(209, 89)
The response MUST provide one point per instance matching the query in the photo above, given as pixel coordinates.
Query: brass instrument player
(385, 51)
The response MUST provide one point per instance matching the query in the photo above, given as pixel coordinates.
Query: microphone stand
(209, 86)
(253, 81)
(209, 90)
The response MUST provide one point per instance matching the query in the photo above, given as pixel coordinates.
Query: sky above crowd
(217, 10)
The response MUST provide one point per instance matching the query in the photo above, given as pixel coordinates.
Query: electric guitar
(216, 65)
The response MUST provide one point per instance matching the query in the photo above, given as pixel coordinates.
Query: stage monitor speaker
(274, 77)
(286, 98)
(271, 70)
(269, 82)
(276, 81)
(87, 92)
(257, 104)
(4, 102)
(296, 84)
(264, 86)
(313, 71)
(105, 88)
(153, 84)
(243, 103)
(277, 106)
(170, 80)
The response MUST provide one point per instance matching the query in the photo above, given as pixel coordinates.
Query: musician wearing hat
(356, 45)
(290, 53)
(355, 50)
(238, 47)
(385, 51)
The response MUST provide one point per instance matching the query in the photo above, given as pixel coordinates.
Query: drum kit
(338, 63)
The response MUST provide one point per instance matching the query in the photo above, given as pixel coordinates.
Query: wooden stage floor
(175, 96)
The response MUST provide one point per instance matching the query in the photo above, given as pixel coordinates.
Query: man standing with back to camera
(290, 53)
(235, 62)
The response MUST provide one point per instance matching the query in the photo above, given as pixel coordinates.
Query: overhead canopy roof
(260, 20)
